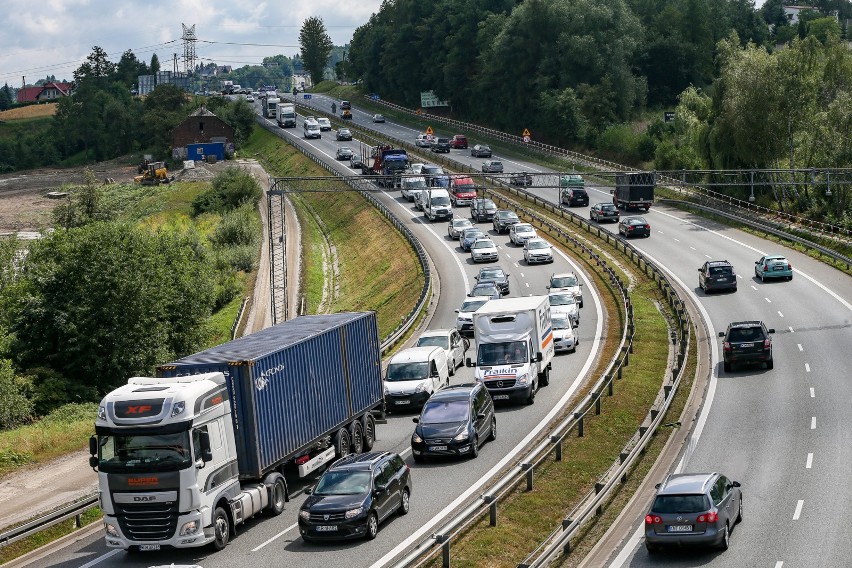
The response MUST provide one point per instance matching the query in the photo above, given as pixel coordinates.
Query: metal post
(580, 432)
(527, 467)
(444, 541)
(558, 441)
(751, 185)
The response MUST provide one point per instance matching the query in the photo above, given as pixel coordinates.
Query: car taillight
(767, 344)
(630, 227)
(710, 517)
(789, 266)
(648, 227)
(765, 267)
(652, 520)
(726, 346)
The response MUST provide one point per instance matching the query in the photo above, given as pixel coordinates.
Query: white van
(413, 375)
(451, 341)
(412, 186)
(311, 128)
(437, 205)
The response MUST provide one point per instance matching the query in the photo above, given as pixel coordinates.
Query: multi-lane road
(781, 433)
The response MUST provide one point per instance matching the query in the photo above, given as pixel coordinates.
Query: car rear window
(738, 334)
(720, 270)
(680, 504)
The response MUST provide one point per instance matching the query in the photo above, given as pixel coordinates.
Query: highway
(781, 433)
(439, 486)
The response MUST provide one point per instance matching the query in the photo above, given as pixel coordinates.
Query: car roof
(718, 263)
(436, 332)
(471, 298)
(536, 240)
(679, 483)
(414, 354)
(749, 323)
(491, 269)
(363, 461)
(455, 392)
(483, 239)
(563, 275)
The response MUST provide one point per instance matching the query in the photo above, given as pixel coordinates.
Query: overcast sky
(53, 37)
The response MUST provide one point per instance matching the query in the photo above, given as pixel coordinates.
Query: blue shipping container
(294, 383)
(200, 151)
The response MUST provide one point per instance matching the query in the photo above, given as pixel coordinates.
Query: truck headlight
(420, 388)
(523, 379)
(189, 528)
(462, 436)
(352, 513)
(110, 530)
(304, 515)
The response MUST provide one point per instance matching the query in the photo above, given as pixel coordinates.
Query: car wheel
(418, 458)
(726, 539)
(356, 437)
(739, 518)
(342, 443)
(493, 433)
(727, 366)
(531, 397)
(372, 527)
(474, 448)
(369, 429)
(404, 502)
(770, 364)
(545, 377)
(221, 528)
(278, 497)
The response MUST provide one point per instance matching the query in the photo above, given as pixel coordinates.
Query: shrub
(15, 407)
(231, 189)
(228, 287)
(238, 227)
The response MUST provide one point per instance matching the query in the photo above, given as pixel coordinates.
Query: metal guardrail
(240, 313)
(363, 185)
(68, 512)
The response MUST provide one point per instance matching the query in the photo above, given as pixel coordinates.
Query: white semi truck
(184, 457)
(514, 347)
(269, 105)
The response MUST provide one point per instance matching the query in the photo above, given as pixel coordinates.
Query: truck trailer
(385, 162)
(286, 115)
(634, 190)
(184, 457)
(514, 347)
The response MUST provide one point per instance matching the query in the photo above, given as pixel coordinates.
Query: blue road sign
(307, 95)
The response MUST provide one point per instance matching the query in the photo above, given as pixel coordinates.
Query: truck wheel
(369, 429)
(545, 377)
(356, 436)
(221, 528)
(278, 495)
(342, 444)
(531, 397)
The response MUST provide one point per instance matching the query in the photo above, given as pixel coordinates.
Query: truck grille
(500, 383)
(150, 521)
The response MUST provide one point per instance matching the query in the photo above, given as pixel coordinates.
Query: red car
(459, 141)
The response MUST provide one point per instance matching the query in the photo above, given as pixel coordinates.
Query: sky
(53, 37)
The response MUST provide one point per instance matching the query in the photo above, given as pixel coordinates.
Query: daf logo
(499, 384)
(325, 517)
(144, 498)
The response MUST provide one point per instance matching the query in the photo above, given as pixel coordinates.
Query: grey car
(504, 219)
(457, 227)
(693, 509)
(496, 275)
(489, 289)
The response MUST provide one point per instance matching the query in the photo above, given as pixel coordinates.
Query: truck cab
(462, 190)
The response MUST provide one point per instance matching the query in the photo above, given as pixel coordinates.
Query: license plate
(500, 396)
(149, 547)
(746, 344)
(437, 448)
(326, 528)
(721, 280)
(679, 528)
(402, 402)
(778, 268)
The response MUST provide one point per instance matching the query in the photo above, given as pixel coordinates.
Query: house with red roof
(48, 92)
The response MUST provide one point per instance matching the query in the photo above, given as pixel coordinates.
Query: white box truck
(286, 115)
(514, 347)
(269, 105)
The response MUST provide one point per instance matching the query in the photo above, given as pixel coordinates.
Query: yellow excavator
(153, 173)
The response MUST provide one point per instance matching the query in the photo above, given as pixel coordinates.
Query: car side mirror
(735, 484)
(548, 286)
(93, 445)
(771, 330)
(480, 416)
(539, 357)
(757, 262)
(468, 362)
(308, 490)
(657, 486)
(721, 334)
(581, 284)
(416, 420)
(457, 311)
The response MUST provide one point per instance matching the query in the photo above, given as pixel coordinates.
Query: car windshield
(523, 228)
(563, 282)
(483, 290)
(441, 341)
(472, 305)
(483, 244)
(674, 504)
(738, 334)
(637, 221)
(509, 353)
(560, 322)
(440, 200)
(537, 245)
(444, 411)
(343, 131)
(488, 205)
(415, 183)
(432, 170)
(138, 453)
(458, 223)
(343, 483)
(473, 233)
(562, 299)
(407, 372)
(345, 149)
(491, 274)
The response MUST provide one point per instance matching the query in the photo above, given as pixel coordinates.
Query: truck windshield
(131, 453)
(415, 183)
(509, 353)
(440, 200)
(407, 372)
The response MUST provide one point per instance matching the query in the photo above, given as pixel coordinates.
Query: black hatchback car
(354, 495)
(747, 342)
(717, 275)
(497, 275)
(454, 422)
(575, 196)
(504, 219)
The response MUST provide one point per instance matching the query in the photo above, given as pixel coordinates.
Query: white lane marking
(813, 394)
(753, 287)
(799, 345)
(102, 557)
(807, 368)
(517, 266)
(768, 301)
(521, 273)
(707, 256)
(534, 432)
(693, 248)
(675, 240)
(813, 422)
(740, 276)
(780, 314)
(527, 284)
(791, 329)
(798, 512)
(809, 462)
(275, 537)
(779, 564)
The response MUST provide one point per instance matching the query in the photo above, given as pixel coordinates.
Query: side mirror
(657, 486)
(480, 416)
(308, 490)
(93, 462)
(721, 334)
(468, 362)
(457, 311)
(771, 330)
(581, 284)
(539, 357)
(548, 286)
(93, 445)
(757, 262)
(700, 270)
(206, 452)
(416, 420)
(735, 484)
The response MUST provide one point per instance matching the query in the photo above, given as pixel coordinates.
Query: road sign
(668, 116)
(307, 96)
(527, 139)
(429, 130)
(526, 133)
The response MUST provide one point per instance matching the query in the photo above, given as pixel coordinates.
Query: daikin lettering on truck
(184, 457)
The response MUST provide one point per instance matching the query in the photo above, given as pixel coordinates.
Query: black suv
(747, 342)
(717, 275)
(441, 145)
(497, 275)
(482, 210)
(455, 422)
(504, 219)
(573, 196)
(354, 495)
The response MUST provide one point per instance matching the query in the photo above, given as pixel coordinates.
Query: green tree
(155, 64)
(316, 45)
(231, 189)
(129, 68)
(6, 99)
(107, 301)
(97, 67)
(15, 407)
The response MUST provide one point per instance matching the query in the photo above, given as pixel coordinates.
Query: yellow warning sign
(526, 132)
(429, 130)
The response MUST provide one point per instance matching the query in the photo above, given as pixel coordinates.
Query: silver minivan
(311, 128)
